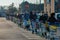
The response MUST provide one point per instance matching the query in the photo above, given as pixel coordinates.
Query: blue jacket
(26, 16)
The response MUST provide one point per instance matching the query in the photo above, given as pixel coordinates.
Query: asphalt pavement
(11, 31)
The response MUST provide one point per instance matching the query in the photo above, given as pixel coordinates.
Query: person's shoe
(32, 32)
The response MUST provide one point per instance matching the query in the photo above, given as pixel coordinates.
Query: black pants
(27, 27)
(44, 34)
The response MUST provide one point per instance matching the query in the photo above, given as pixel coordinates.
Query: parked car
(57, 16)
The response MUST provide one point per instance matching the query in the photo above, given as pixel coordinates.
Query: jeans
(25, 23)
(33, 24)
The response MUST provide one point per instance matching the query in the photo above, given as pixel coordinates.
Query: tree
(12, 9)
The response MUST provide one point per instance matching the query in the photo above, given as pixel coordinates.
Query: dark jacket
(52, 19)
(43, 18)
(33, 16)
(19, 16)
(26, 16)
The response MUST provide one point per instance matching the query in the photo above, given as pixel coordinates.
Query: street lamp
(40, 5)
(36, 2)
(40, 1)
(23, 0)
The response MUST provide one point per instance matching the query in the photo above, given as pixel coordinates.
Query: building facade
(51, 6)
(26, 6)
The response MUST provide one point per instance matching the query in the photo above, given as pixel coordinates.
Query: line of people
(34, 19)
(31, 20)
(37, 23)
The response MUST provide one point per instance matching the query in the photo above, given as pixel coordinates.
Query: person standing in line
(26, 18)
(52, 19)
(33, 21)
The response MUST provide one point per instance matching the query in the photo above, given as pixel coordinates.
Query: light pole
(23, 0)
(40, 1)
(40, 5)
(36, 6)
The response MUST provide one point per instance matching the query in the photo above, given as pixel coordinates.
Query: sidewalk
(28, 34)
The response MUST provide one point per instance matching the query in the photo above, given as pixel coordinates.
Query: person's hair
(31, 12)
(52, 14)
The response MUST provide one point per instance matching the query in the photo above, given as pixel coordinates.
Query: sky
(16, 2)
